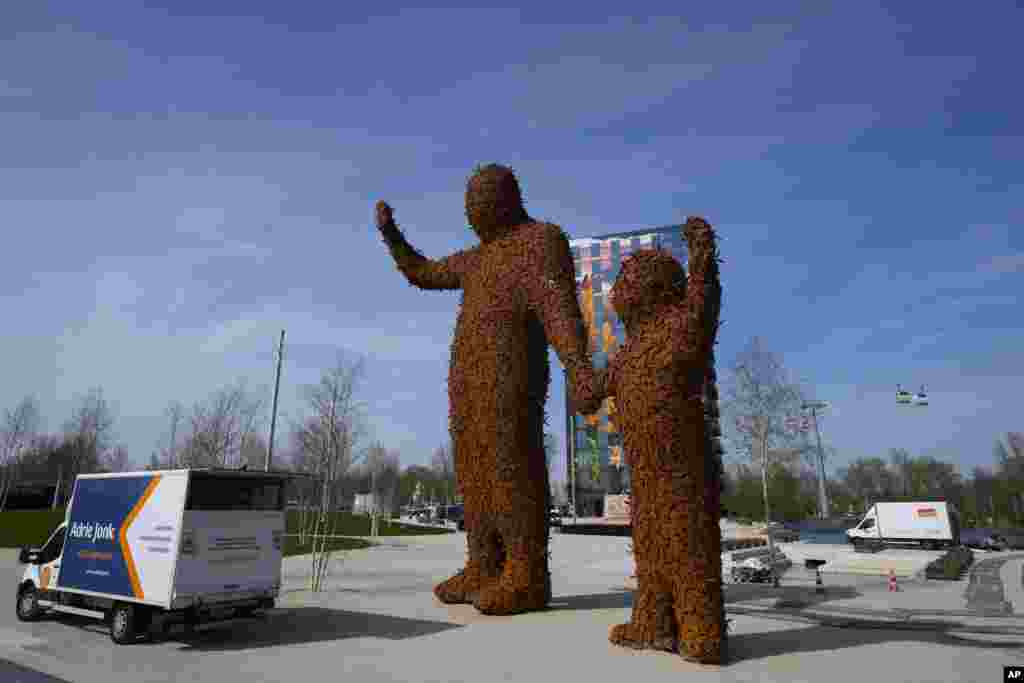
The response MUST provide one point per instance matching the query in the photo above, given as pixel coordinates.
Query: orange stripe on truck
(122, 537)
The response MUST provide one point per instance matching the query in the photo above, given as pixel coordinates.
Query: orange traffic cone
(892, 581)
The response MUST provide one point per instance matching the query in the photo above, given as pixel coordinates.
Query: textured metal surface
(663, 382)
(518, 294)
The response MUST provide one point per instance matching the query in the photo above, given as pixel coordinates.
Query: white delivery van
(931, 524)
(175, 546)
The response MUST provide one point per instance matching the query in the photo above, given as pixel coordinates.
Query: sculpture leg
(520, 499)
(524, 584)
(699, 613)
(653, 623)
(483, 566)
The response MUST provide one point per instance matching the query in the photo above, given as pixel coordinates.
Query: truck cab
(43, 566)
(866, 530)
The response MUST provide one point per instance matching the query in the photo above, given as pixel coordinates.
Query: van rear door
(122, 535)
(233, 533)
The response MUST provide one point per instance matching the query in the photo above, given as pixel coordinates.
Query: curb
(884, 619)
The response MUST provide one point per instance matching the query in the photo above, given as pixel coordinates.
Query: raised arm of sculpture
(420, 271)
(550, 288)
(703, 291)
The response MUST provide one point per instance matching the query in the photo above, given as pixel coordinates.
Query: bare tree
(550, 450)
(87, 436)
(903, 465)
(758, 397)
(443, 464)
(384, 472)
(116, 460)
(176, 416)
(326, 439)
(254, 451)
(1015, 440)
(19, 429)
(334, 424)
(550, 453)
(870, 479)
(155, 462)
(223, 426)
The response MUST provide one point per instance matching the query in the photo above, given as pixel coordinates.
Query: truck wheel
(122, 623)
(28, 604)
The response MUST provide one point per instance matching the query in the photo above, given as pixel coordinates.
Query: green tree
(590, 454)
(742, 497)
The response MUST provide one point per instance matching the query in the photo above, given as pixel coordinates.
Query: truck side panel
(123, 536)
(234, 552)
(913, 521)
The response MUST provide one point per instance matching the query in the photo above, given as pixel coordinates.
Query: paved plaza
(378, 621)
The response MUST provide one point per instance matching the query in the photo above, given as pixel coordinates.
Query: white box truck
(157, 548)
(931, 524)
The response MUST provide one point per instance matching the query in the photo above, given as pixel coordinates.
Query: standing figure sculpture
(518, 291)
(659, 379)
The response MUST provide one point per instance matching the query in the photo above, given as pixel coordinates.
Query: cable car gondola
(904, 397)
(921, 398)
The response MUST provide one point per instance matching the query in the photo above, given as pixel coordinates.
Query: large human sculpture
(518, 292)
(660, 379)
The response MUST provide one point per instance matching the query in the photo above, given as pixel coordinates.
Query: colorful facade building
(601, 466)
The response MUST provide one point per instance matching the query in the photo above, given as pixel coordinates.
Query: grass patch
(348, 524)
(292, 547)
(20, 528)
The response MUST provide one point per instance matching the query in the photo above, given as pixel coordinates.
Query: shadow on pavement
(752, 646)
(617, 599)
(16, 673)
(307, 625)
(785, 596)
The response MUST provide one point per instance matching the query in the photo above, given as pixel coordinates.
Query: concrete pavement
(378, 621)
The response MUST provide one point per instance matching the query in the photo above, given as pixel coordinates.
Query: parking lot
(377, 620)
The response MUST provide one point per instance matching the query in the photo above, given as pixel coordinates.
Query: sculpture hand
(384, 214)
(386, 221)
(698, 233)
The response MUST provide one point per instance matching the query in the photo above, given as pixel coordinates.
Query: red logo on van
(927, 512)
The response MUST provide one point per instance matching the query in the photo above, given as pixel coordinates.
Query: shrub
(952, 565)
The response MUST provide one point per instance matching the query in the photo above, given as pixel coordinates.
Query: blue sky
(177, 185)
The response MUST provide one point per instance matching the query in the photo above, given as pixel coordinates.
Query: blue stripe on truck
(94, 559)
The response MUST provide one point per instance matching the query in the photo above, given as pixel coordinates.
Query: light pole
(814, 407)
(273, 416)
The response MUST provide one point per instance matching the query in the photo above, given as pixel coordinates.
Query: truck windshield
(234, 493)
(52, 550)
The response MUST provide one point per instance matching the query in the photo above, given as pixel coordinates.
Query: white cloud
(1006, 263)
(388, 337)
(228, 335)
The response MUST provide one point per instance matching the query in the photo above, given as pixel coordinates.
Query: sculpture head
(650, 279)
(494, 203)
